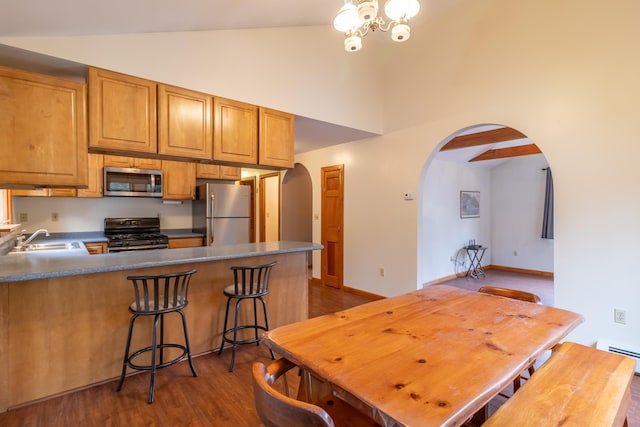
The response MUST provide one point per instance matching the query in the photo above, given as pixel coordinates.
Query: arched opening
(505, 172)
(296, 210)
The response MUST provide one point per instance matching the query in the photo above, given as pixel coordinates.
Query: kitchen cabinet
(132, 162)
(184, 123)
(235, 131)
(46, 192)
(276, 138)
(184, 242)
(42, 130)
(96, 248)
(122, 113)
(206, 171)
(95, 177)
(179, 180)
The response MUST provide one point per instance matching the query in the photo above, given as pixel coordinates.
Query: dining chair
(518, 295)
(278, 410)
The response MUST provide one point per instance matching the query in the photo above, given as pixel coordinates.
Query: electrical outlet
(382, 271)
(23, 217)
(54, 216)
(620, 316)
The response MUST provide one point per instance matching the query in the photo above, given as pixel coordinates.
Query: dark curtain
(547, 218)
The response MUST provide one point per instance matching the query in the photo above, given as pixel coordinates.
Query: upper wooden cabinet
(184, 123)
(206, 171)
(95, 178)
(276, 138)
(43, 137)
(122, 112)
(179, 180)
(132, 162)
(235, 131)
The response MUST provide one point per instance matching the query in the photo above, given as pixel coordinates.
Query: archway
(296, 217)
(502, 167)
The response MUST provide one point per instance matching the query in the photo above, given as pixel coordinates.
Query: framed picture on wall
(469, 204)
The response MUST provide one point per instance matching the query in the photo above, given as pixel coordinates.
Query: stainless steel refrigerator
(221, 213)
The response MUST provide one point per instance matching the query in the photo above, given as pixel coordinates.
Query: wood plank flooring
(216, 397)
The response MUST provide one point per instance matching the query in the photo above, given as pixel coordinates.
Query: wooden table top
(432, 357)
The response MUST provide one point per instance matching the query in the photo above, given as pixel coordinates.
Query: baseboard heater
(619, 349)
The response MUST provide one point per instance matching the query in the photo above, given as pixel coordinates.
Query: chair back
(160, 293)
(252, 280)
(277, 410)
(511, 293)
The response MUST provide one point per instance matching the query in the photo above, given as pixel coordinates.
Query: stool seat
(156, 296)
(250, 283)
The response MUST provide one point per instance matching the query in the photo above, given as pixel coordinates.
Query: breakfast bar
(64, 317)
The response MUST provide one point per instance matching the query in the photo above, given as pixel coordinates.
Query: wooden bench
(577, 386)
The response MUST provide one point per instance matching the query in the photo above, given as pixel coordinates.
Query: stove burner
(133, 234)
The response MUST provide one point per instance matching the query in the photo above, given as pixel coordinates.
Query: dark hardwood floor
(216, 397)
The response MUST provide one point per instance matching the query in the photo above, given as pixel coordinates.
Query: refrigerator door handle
(210, 232)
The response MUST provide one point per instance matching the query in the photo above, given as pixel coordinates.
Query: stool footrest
(245, 341)
(159, 347)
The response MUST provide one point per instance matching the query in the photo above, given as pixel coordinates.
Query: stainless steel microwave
(132, 182)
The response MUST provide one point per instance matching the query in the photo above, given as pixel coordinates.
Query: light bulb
(368, 10)
(400, 33)
(352, 43)
(347, 18)
(401, 9)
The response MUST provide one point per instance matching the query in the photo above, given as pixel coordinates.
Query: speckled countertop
(21, 267)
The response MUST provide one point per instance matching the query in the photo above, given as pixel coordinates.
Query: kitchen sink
(42, 247)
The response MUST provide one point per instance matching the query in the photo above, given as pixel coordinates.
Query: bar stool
(249, 283)
(156, 296)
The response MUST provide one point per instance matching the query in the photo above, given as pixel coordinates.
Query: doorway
(332, 226)
(507, 172)
(251, 183)
(270, 207)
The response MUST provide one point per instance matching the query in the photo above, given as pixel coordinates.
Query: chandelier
(357, 17)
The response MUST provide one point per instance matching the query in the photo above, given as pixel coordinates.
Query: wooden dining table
(432, 357)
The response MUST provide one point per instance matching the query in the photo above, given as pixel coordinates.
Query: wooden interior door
(270, 207)
(332, 224)
(251, 183)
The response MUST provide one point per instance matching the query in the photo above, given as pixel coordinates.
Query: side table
(475, 254)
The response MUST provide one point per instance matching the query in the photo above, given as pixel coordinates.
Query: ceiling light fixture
(357, 17)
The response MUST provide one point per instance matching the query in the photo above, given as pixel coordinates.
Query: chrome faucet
(22, 242)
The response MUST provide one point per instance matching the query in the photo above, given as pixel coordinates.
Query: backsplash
(78, 214)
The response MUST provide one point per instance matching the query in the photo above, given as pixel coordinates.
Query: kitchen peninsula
(64, 318)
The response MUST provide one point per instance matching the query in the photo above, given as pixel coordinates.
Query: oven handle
(136, 248)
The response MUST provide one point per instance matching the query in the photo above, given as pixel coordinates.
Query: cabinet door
(206, 171)
(96, 248)
(40, 192)
(230, 172)
(185, 242)
(122, 112)
(179, 180)
(62, 192)
(43, 137)
(184, 123)
(276, 138)
(132, 162)
(94, 186)
(235, 131)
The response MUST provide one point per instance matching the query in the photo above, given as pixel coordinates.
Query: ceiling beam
(502, 153)
(483, 138)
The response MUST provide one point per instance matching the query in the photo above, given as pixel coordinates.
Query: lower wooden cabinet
(96, 248)
(185, 242)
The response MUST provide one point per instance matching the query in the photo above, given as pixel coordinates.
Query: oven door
(114, 250)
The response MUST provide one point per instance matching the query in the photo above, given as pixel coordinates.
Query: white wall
(564, 73)
(89, 214)
(518, 190)
(444, 232)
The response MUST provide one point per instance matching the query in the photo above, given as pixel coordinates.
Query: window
(5, 207)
